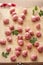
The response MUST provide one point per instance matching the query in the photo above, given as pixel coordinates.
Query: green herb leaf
(5, 54)
(33, 11)
(36, 8)
(41, 13)
(33, 40)
(15, 32)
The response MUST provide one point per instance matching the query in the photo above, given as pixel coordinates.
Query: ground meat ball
(17, 53)
(33, 57)
(6, 21)
(38, 26)
(20, 37)
(8, 49)
(8, 32)
(13, 13)
(24, 53)
(27, 36)
(12, 10)
(29, 46)
(36, 44)
(15, 18)
(19, 28)
(21, 42)
(25, 11)
(2, 41)
(9, 39)
(22, 16)
(38, 34)
(13, 58)
(18, 48)
(35, 18)
(20, 20)
(31, 32)
(40, 48)
(11, 27)
(27, 29)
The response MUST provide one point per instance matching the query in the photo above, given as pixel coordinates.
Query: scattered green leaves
(35, 9)
(33, 40)
(15, 32)
(5, 54)
(41, 13)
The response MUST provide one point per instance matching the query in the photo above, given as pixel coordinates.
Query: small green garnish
(5, 54)
(33, 40)
(33, 11)
(41, 13)
(15, 32)
(36, 8)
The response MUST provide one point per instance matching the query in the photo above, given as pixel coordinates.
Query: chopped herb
(41, 13)
(33, 11)
(33, 40)
(15, 32)
(36, 8)
(5, 54)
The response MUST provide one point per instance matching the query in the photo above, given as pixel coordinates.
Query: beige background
(25, 3)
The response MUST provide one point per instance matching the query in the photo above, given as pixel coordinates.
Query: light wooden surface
(25, 3)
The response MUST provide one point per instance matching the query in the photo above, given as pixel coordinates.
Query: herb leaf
(36, 8)
(33, 40)
(15, 32)
(33, 11)
(41, 13)
(5, 54)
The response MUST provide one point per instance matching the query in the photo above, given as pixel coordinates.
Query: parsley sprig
(41, 13)
(5, 54)
(33, 40)
(15, 32)
(35, 9)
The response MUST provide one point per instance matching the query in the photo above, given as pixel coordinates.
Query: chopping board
(24, 2)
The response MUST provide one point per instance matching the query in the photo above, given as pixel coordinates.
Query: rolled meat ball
(21, 42)
(2, 41)
(24, 53)
(15, 17)
(40, 48)
(6, 21)
(13, 58)
(27, 36)
(33, 57)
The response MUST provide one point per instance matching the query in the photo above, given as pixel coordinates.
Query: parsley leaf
(36, 8)
(33, 11)
(41, 13)
(15, 32)
(5, 54)
(33, 40)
